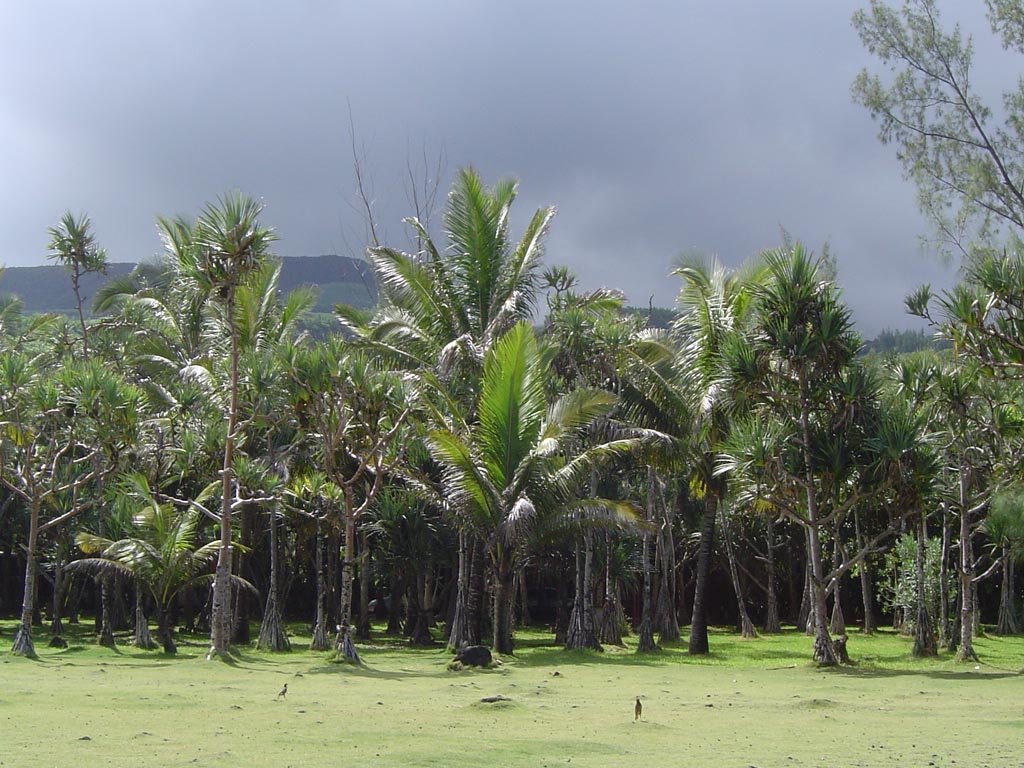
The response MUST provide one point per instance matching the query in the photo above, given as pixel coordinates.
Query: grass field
(751, 703)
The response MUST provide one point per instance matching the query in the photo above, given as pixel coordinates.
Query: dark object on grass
(474, 656)
(58, 642)
(494, 699)
(283, 692)
(638, 709)
(839, 649)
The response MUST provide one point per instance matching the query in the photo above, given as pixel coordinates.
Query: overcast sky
(654, 127)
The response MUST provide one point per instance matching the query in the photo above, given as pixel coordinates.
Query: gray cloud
(654, 127)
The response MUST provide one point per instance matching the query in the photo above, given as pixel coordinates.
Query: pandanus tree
(815, 442)
(73, 244)
(520, 464)
(60, 433)
(352, 412)
(220, 251)
(1004, 525)
(983, 317)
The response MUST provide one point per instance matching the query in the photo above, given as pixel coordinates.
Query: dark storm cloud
(654, 127)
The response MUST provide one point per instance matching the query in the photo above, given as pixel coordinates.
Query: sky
(656, 128)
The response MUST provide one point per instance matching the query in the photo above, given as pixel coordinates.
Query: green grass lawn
(751, 703)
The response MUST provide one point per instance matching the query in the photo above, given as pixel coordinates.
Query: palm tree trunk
(163, 628)
(944, 628)
(772, 622)
(746, 625)
(347, 569)
(23, 645)
(611, 614)
(459, 634)
(1008, 624)
(106, 638)
(419, 607)
(363, 626)
(668, 623)
(581, 632)
(220, 613)
(699, 620)
(56, 624)
(645, 635)
(142, 638)
(837, 624)
(319, 641)
(824, 653)
(272, 636)
(966, 650)
(924, 637)
(864, 570)
(503, 597)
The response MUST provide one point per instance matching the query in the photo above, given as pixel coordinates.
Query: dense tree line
(445, 460)
(490, 446)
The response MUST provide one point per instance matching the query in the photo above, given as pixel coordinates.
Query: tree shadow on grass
(967, 675)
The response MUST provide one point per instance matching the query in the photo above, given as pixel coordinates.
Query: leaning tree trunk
(272, 636)
(319, 641)
(966, 650)
(699, 621)
(746, 625)
(866, 591)
(581, 632)
(772, 623)
(524, 619)
(645, 635)
(1008, 624)
(611, 615)
(924, 637)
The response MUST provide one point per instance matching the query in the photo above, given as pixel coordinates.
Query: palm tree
(715, 306)
(164, 556)
(509, 470)
(220, 251)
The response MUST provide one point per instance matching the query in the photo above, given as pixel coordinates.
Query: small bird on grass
(638, 709)
(283, 692)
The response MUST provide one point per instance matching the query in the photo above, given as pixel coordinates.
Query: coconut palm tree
(224, 247)
(514, 468)
(164, 556)
(715, 308)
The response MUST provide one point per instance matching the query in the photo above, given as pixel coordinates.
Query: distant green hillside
(340, 279)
